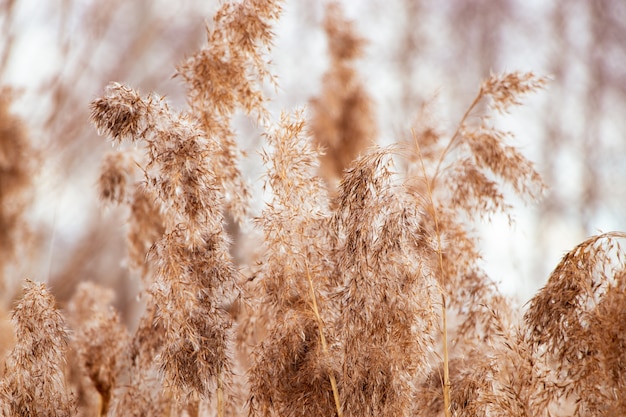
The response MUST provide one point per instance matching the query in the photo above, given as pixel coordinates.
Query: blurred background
(57, 56)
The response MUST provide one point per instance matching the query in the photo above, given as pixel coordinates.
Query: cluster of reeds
(364, 294)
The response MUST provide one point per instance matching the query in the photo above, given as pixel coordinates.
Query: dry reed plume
(365, 295)
(34, 381)
(342, 121)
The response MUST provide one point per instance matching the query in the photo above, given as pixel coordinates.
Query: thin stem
(446, 358)
(220, 396)
(320, 324)
(453, 141)
(444, 329)
(102, 409)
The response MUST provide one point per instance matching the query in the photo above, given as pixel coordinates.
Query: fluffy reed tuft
(575, 327)
(227, 75)
(342, 116)
(100, 340)
(195, 277)
(293, 370)
(34, 380)
(193, 266)
(386, 321)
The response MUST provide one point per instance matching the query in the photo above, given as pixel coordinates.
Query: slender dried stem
(333, 381)
(220, 396)
(444, 329)
(453, 140)
(103, 405)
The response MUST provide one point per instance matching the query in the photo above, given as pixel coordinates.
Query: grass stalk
(320, 323)
(220, 396)
(453, 140)
(103, 405)
(444, 329)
